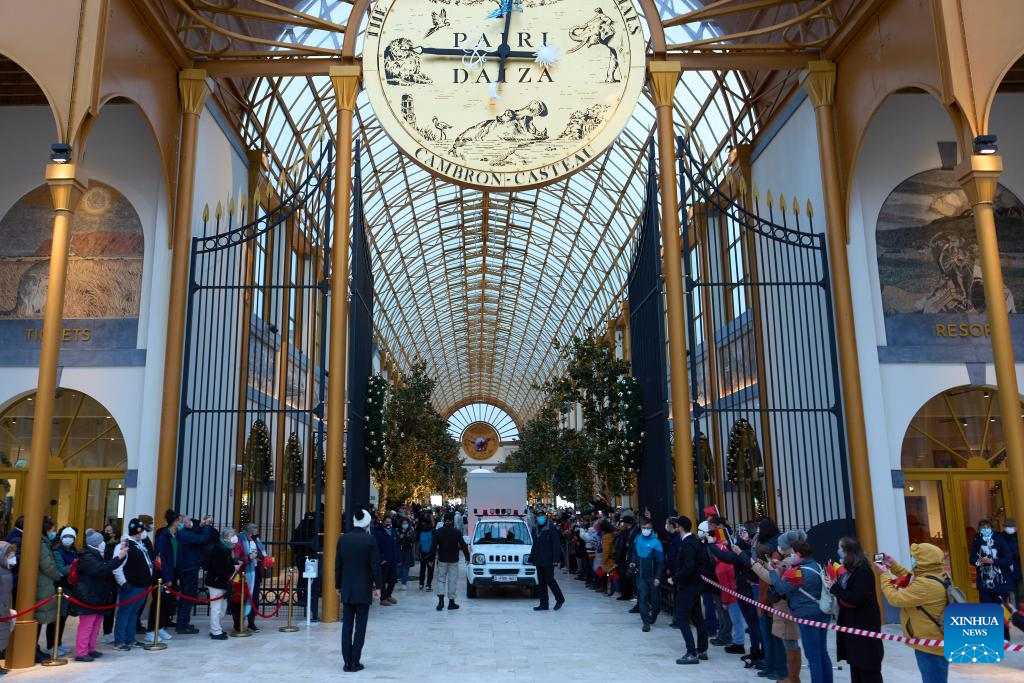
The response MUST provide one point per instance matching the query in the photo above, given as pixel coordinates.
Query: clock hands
(458, 52)
(504, 48)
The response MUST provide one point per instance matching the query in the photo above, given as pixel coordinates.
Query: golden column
(193, 89)
(821, 85)
(345, 80)
(979, 177)
(65, 191)
(664, 76)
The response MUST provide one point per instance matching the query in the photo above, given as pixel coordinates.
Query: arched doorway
(954, 467)
(85, 486)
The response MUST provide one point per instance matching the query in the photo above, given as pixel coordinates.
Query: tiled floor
(490, 639)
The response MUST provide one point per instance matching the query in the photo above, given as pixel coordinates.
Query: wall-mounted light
(60, 153)
(985, 144)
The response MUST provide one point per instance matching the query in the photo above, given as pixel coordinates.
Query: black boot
(440, 603)
(452, 605)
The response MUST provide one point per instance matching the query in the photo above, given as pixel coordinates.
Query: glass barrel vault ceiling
(478, 284)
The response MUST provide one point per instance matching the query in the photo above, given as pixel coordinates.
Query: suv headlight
(479, 558)
(526, 558)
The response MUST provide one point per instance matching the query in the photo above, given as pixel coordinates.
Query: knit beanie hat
(94, 539)
(68, 531)
(361, 518)
(787, 539)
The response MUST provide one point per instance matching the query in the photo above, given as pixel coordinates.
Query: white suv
(500, 555)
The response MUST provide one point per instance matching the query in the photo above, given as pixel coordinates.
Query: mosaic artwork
(105, 262)
(927, 251)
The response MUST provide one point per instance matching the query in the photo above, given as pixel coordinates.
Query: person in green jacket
(46, 582)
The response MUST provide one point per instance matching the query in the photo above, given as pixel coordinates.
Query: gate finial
(810, 209)
(218, 211)
(796, 206)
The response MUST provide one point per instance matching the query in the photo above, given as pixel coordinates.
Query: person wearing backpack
(921, 597)
(425, 532)
(858, 608)
(92, 573)
(800, 580)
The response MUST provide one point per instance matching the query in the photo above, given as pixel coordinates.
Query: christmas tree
(293, 465)
(258, 462)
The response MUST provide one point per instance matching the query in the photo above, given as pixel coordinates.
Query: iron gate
(254, 380)
(647, 343)
(764, 375)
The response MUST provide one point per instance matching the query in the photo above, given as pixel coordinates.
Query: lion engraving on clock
(503, 94)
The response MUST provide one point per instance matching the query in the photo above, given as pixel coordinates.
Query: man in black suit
(687, 582)
(545, 555)
(358, 578)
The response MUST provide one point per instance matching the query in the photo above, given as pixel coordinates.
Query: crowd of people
(719, 581)
(105, 567)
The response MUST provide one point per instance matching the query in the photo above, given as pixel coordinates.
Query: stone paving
(495, 638)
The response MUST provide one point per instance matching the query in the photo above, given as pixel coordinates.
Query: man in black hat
(358, 578)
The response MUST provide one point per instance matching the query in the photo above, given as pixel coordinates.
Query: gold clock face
(480, 440)
(504, 94)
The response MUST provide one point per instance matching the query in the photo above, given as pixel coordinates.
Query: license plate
(505, 578)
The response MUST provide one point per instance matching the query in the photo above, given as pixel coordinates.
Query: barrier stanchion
(242, 602)
(54, 660)
(290, 628)
(156, 644)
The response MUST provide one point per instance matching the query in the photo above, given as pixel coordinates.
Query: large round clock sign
(503, 94)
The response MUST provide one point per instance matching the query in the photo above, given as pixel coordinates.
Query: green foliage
(373, 415)
(421, 457)
(257, 460)
(293, 466)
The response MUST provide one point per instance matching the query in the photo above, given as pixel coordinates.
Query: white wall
(121, 152)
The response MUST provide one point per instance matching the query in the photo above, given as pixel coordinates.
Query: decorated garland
(293, 463)
(376, 393)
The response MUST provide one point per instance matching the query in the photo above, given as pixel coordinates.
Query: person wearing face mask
(192, 540)
(91, 588)
(134, 576)
(166, 555)
(384, 534)
(220, 568)
(649, 565)
(448, 542)
(545, 555)
(48, 578)
(1010, 536)
(992, 556)
(858, 608)
(14, 538)
(65, 554)
(8, 561)
(406, 539)
(112, 541)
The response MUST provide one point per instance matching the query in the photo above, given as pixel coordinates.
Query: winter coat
(686, 573)
(46, 582)
(93, 585)
(649, 557)
(6, 595)
(725, 575)
(220, 567)
(1013, 541)
(607, 550)
(386, 544)
(803, 597)
(744, 577)
(998, 576)
(406, 539)
(447, 544)
(858, 608)
(671, 553)
(167, 551)
(357, 567)
(192, 546)
(547, 548)
(923, 600)
(64, 556)
(781, 627)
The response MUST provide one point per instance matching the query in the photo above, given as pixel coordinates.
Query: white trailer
(494, 493)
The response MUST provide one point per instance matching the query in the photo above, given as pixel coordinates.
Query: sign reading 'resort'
(963, 330)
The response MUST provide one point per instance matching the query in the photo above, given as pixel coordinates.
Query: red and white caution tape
(843, 629)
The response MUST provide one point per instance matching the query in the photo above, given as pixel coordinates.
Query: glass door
(978, 497)
(925, 501)
(104, 501)
(60, 500)
(10, 484)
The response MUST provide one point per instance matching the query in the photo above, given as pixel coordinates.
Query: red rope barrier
(843, 629)
(104, 608)
(287, 587)
(30, 609)
(202, 601)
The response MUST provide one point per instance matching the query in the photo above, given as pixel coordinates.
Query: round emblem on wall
(504, 95)
(480, 440)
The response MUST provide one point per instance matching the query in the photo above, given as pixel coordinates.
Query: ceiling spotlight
(985, 144)
(60, 153)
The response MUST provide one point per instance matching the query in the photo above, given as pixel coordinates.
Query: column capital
(345, 80)
(65, 188)
(664, 76)
(820, 83)
(193, 88)
(978, 175)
